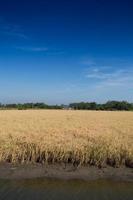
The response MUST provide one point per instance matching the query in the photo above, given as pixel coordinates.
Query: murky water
(43, 189)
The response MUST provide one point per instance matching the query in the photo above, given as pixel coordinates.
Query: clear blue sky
(61, 51)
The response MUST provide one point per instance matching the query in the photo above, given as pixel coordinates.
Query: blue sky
(66, 51)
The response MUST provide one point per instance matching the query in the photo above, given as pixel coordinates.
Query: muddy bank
(10, 171)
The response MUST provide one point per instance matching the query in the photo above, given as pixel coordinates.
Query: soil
(67, 172)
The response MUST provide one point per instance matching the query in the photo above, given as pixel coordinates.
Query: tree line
(109, 105)
(25, 106)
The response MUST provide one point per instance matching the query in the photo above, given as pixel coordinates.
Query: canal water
(50, 189)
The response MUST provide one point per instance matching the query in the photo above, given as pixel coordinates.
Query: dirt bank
(10, 171)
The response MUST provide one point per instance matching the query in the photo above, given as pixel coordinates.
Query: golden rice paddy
(98, 138)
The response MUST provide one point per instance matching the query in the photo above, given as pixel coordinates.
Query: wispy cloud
(88, 62)
(55, 53)
(111, 77)
(33, 49)
(119, 74)
(14, 34)
(49, 51)
(11, 30)
(99, 73)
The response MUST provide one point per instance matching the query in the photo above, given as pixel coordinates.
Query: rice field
(98, 138)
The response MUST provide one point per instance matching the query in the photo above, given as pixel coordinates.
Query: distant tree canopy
(29, 106)
(109, 105)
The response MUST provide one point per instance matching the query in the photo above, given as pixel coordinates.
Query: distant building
(66, 107)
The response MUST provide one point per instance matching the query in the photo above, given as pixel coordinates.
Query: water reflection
(49, 189)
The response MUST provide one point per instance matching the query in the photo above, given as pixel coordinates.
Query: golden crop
(65, 136)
